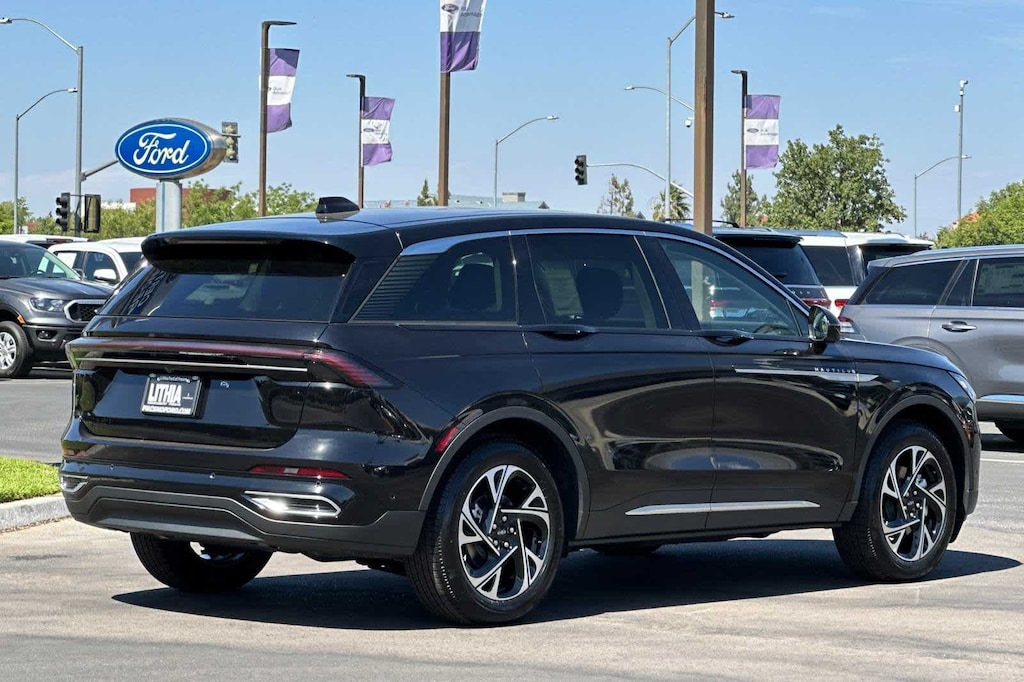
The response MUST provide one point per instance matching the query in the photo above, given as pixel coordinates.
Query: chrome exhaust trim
(283, 505)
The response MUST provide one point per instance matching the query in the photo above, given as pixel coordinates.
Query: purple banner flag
(461, 21)
(761, 131)
(280, 84)
(375, 115)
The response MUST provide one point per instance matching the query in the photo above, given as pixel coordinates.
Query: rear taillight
(846, 325)
(350, 371)
(301, 472)
(840, 302)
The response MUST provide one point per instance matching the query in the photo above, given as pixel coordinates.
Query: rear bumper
(233, 510)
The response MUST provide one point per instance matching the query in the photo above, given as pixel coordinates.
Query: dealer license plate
(172, 395)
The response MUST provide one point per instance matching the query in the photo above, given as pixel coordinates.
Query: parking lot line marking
(1004, 461)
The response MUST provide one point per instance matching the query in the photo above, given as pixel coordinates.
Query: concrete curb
(15, 515)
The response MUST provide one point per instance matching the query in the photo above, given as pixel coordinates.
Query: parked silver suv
(966, 304)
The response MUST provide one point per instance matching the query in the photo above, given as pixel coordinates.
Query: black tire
(628, 548)
(177, 565)
(862, 542)
(1012, 430)
(439, 569)
(12, 333)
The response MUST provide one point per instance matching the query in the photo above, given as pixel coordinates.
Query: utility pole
(703, 104)
(442, 139)
(960, 153)
(743, 147)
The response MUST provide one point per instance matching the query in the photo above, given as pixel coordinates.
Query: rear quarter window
(919, 284)
(1000, 283)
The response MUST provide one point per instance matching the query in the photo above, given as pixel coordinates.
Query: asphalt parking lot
(77, 605)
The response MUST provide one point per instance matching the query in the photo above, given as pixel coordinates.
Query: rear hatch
(785, 261)
(215, 344)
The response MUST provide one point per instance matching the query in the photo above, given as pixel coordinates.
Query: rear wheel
(492, 542)
(907, 508)
(195, 567)
(1012, 430)
(15, 353)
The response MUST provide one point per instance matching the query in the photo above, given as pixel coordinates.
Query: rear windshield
(832, 264)
(870, 252)
(294, 281)
(786, 262)
(130, 259)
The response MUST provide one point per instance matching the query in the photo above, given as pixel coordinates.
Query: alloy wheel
(504, 531)
(8, 350)
(913, 503)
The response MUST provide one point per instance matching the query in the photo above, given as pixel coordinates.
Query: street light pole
(264, 86)
(960, 155)
(743, 148)
(17, 123)
(500, 140)
(80, 52)
(672, 97)
(918, 175)
(360, 178)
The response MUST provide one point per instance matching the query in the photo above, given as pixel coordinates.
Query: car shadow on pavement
(997, 442)
(587, 584)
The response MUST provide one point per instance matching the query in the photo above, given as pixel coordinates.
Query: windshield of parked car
(832, 263)
(785, 261)
(26, 260)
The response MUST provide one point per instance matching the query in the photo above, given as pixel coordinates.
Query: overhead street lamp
(648, 87)
(499, 141)
(79, 50)
(17, 122)
(668, 109)
(917, 175)
(960, 154)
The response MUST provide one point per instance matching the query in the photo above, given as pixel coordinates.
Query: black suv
(43, 305)
(466, 396)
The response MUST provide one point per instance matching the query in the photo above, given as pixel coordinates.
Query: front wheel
(15, 353)
(492, 542)
(907, 508)
(195, 567)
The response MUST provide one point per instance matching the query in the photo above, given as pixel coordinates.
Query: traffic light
(63, 210)
(581, 169)
(229, 129)
(92, 213)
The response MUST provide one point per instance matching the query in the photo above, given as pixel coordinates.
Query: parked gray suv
(966, 304)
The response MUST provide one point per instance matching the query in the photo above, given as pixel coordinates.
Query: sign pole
(442, 152)
(168, 205)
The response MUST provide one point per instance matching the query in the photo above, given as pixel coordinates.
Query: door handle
(563, 331)
(725, 338)
(958, 326)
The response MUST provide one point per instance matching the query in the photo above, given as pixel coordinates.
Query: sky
(885, 67)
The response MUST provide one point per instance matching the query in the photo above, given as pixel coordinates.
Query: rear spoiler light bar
(320, 362)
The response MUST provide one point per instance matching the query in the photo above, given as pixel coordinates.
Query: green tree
(7, 215)
(838, 185)
(680, 205)
(731, 201)
(283, 199)
(127, 222)
(426, 198)
(996, 220)
(619, 200)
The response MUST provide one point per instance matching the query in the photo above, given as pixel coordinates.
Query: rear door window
(832, 265)
(920, 284)
(473, 281)
(294, 281)
(1000, 283)
(596, 280)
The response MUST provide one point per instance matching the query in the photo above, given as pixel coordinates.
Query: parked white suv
(841, 258)
(108, 260)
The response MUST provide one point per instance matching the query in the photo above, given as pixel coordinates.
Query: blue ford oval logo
(169, 149)
(449, 7)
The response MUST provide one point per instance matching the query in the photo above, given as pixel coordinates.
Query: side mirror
(105, 275)
(822, 325)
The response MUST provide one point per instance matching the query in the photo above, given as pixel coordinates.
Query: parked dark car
(43, 305)
(465, 396)
(779, 253)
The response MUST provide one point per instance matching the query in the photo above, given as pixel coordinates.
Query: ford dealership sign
(170, 149)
